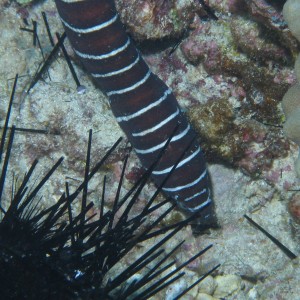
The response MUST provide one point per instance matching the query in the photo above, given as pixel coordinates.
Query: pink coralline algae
(238, 48)
(248, 38)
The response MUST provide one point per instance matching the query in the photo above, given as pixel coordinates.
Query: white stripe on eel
(157, 126)
(70, 1)
(93, 28)
(195, 195)
(103, 56)
(182, 162)
(132, 87)
(198, 207)
(117, 72)
(145, 109)
(178, 188)
(161, 145)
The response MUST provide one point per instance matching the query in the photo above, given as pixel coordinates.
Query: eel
(145, 108)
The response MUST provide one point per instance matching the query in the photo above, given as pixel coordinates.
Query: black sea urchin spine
(44, 255)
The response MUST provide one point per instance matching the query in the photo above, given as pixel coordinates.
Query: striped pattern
(144, 106)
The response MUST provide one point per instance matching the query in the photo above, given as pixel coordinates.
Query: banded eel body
(144, 106)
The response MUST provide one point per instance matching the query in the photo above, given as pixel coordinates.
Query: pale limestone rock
(207, 286)
(227, 285)
(291, 12)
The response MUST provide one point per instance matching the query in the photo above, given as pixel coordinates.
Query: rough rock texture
(157, 19)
